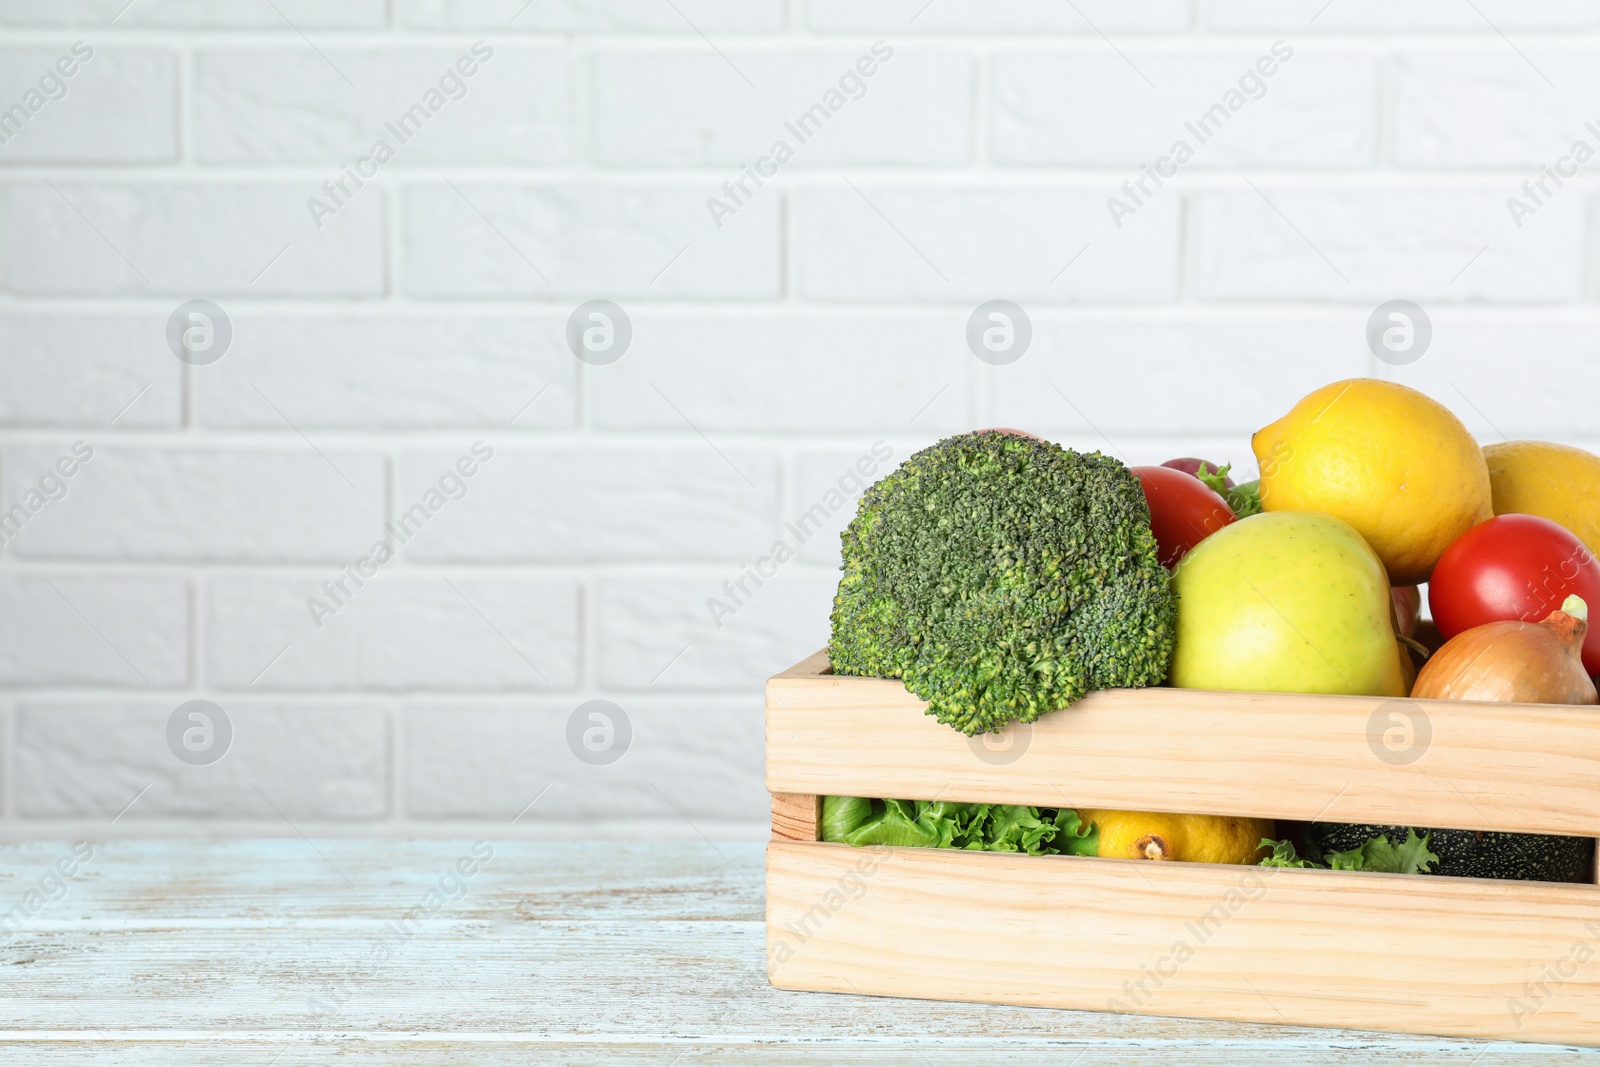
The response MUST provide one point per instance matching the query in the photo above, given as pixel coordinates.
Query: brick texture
(473, 105)
(424, 499)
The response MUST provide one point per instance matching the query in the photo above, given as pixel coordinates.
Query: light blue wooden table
(442, 952)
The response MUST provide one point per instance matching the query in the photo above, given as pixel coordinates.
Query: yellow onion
(1518, 662)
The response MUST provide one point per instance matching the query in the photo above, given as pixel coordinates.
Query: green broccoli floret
(1002, 577)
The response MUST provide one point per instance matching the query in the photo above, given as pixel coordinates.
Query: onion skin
(1515, 662)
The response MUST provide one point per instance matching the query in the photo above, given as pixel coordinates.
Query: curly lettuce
(1412, 856)
(860, 821)
(1245, 500)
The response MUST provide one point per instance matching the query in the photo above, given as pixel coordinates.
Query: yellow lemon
(1555, 482)
(1139, 835)
(1393, 463)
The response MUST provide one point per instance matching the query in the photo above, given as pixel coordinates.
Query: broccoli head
(1001, 577)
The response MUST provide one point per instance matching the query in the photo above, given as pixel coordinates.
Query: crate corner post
(796, 817)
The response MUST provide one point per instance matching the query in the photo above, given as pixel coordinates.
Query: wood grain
(1530, 768)
(795, 816)
(816, 665)
(1320, 948)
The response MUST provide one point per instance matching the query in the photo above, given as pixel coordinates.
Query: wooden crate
(1460, 957)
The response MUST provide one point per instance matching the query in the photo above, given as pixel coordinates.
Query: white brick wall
(182, 236)
(218, 544)
(120, 106)
(892, 243)
(1051, 106)
(395, 633)
(655, 108)
(207, 503)
(628, 240)
(290, 105)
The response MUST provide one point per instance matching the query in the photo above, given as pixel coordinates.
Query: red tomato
(1515, 567)
(1183, 510)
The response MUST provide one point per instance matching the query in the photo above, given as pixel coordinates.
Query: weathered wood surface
(195, 952)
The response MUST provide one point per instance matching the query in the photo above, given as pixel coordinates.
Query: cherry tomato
(1183, 510)
(1515, 567)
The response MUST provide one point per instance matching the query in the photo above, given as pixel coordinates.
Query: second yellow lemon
(1390, 461)
(1145, 835)
(1555, 482)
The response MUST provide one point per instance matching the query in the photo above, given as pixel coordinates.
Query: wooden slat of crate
(795, 816)
(1447, 956)
(1529, 768)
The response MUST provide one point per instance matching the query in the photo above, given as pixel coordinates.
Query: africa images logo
(851, 85)
(52, 86)
(807, 525)
(450, 85)
(1251, 85)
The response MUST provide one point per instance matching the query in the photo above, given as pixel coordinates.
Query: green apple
(1286, 602)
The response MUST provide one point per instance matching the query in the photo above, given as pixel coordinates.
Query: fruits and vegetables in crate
(1519, 662)
(1522, 662)
(946, 824)
(1381, 849)
(1043, 831)
(1196, 467)
(1514, 567)
(1183, 510)
(1139, 835)
(1474, 853)
(1286, 602)
(1245, 500)
(1002, 577)
(1555, 482)
(1407, 609)
(1393, 463)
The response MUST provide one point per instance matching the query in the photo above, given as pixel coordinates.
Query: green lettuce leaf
(900, 824)
(1283, 855)
(860, 821)
(1077, 836)
(1410, 857)
(841, 815)
(1376, 854)
(1245, 500)
(1016, 828)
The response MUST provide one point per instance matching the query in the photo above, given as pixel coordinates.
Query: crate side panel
(1451, 957)
(1510, 767)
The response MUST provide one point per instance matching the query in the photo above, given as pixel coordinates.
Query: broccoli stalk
(1002, 577)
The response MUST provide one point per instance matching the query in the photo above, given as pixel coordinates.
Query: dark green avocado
(1477, 853)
